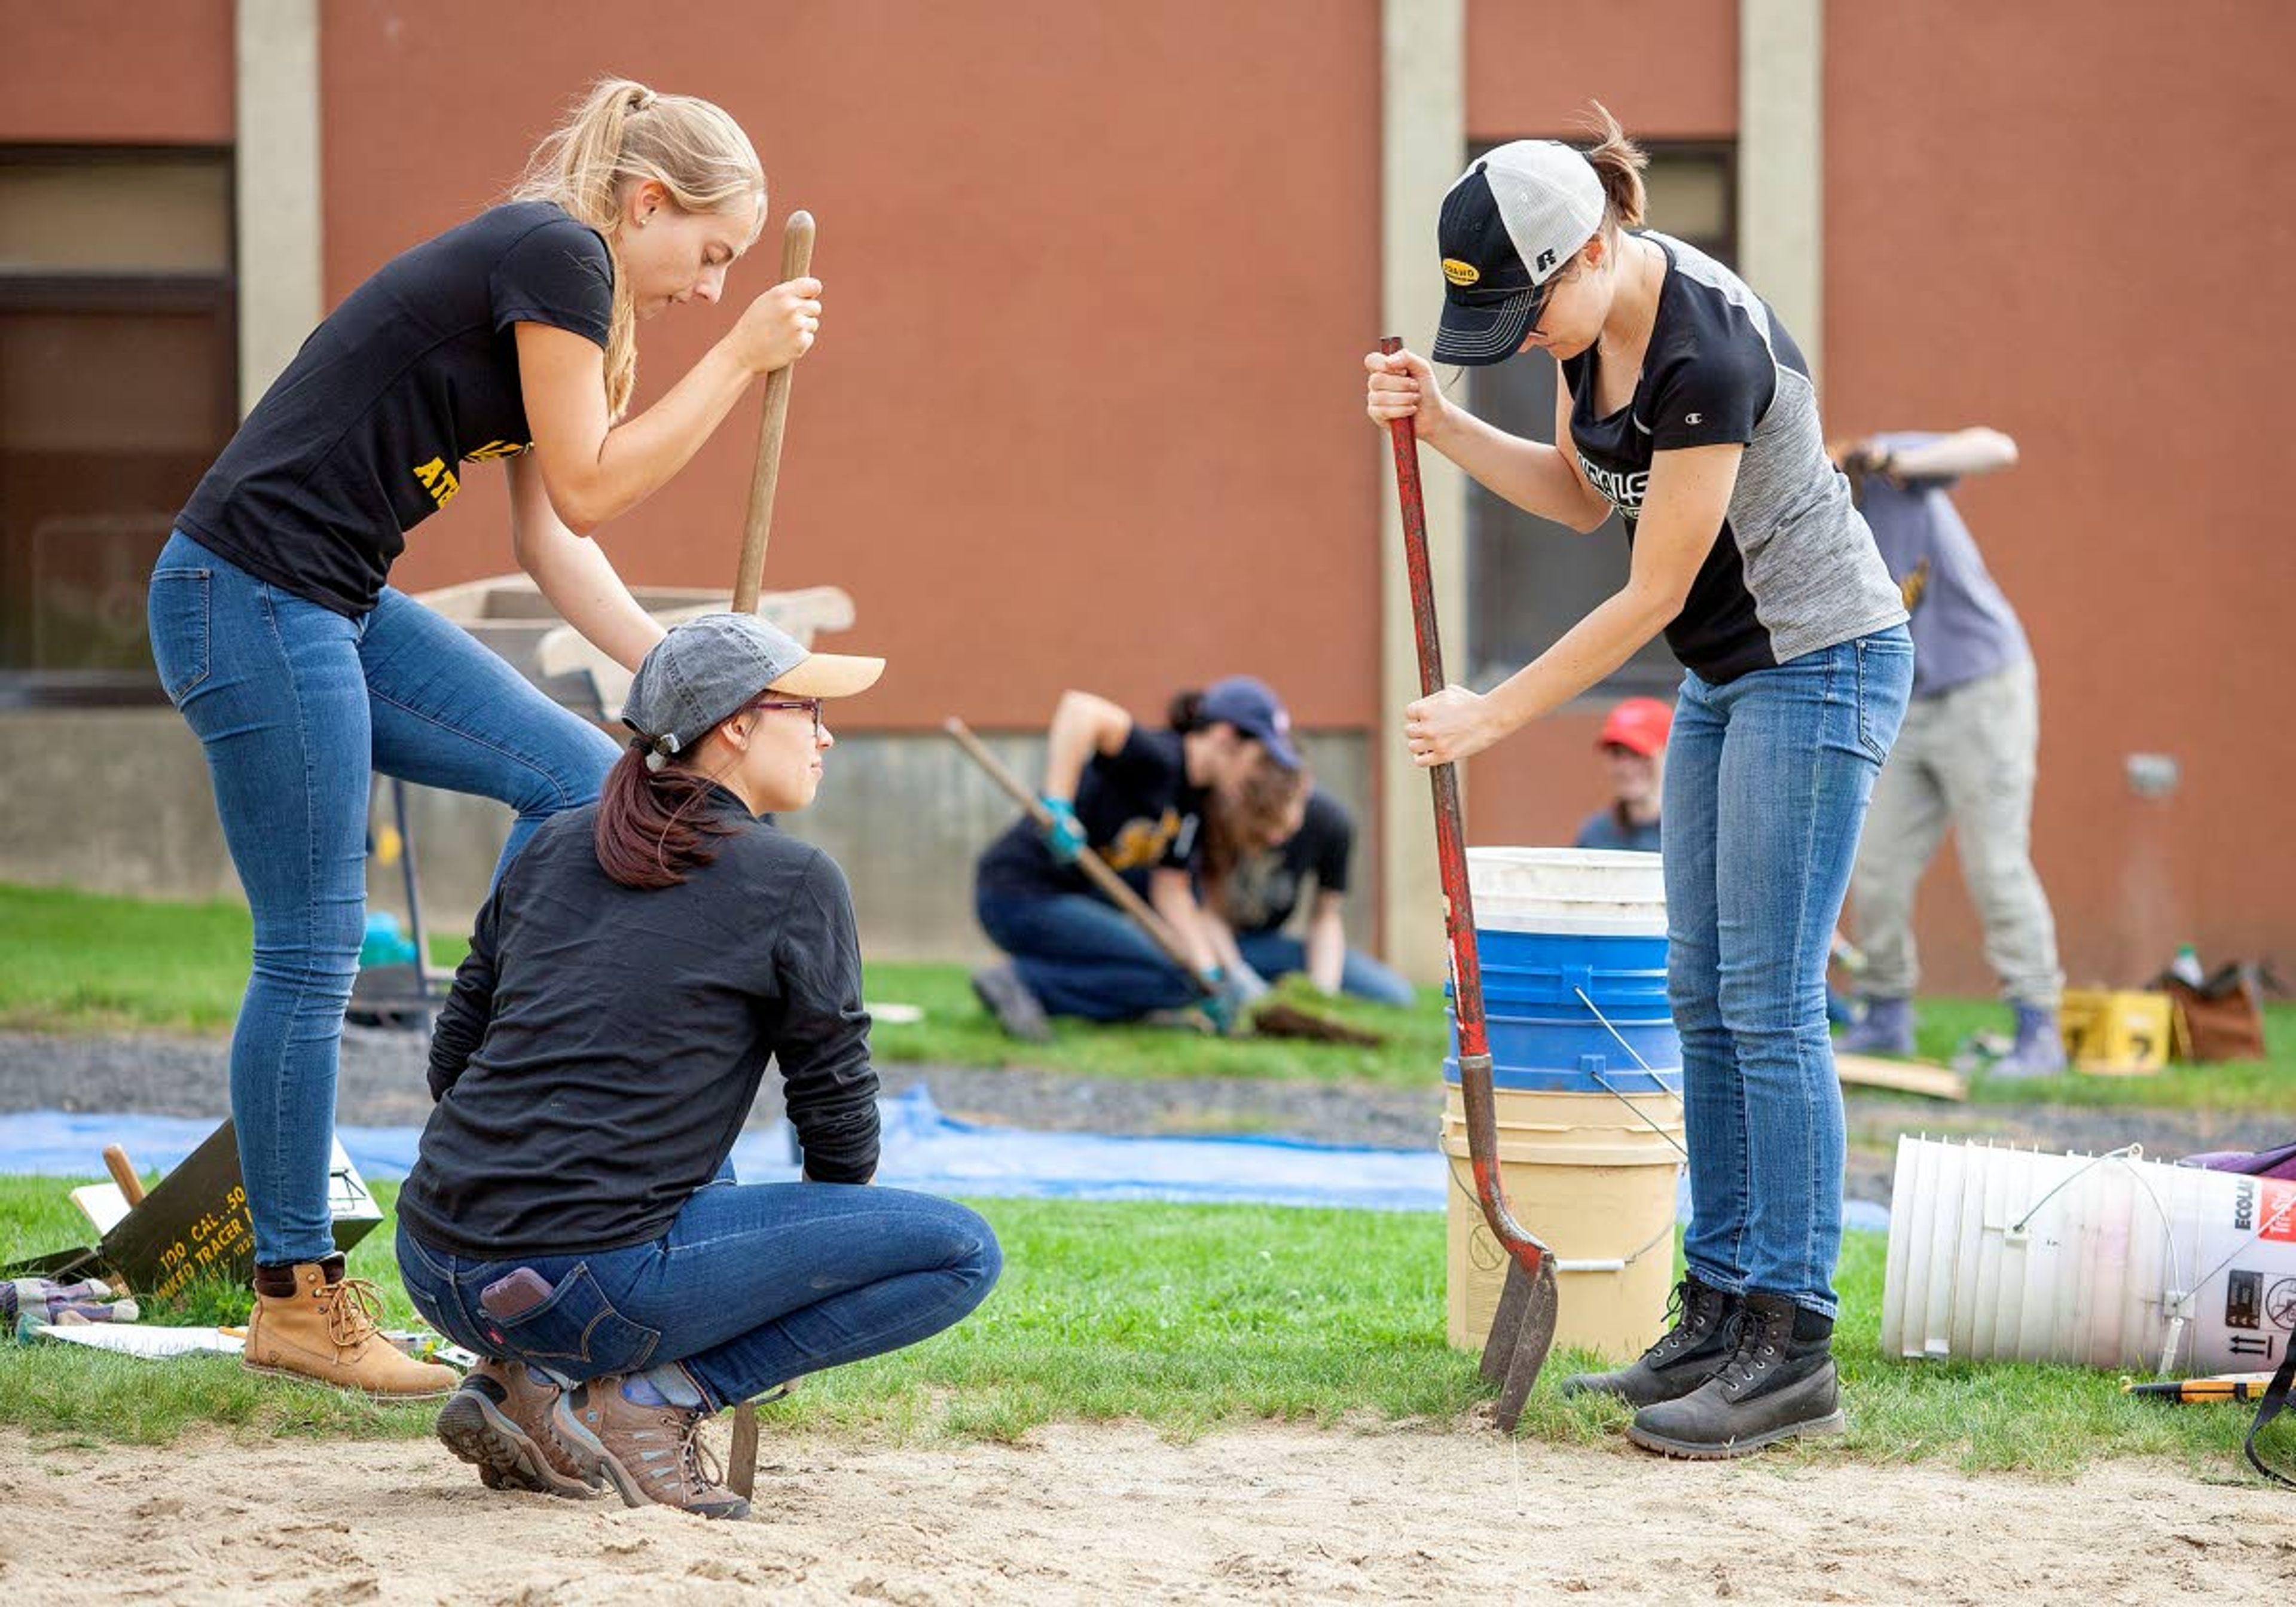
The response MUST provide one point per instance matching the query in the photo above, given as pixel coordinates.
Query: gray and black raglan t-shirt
(1793, 569)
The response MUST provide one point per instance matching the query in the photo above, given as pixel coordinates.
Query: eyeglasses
(810, 705)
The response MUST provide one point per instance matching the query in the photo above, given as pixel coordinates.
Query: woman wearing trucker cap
(1684, 404)
(511, 337)
(571, 1215)
(1136, 798)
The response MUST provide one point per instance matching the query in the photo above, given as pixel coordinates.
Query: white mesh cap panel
(1550, 201)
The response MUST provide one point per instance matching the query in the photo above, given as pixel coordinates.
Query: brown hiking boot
(499, 1420)
(652, 1453)
(327, 1329)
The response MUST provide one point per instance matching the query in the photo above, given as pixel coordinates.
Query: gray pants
(1965, 758)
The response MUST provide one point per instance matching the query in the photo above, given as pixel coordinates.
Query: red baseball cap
(1639, 725)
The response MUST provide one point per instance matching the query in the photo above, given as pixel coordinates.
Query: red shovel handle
(1451, 852)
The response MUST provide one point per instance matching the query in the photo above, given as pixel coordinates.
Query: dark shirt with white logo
(1263, 890)
(416, 373)
(1794, 567)
(1138, 812)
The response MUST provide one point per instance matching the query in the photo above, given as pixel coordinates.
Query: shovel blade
(1523, 1331)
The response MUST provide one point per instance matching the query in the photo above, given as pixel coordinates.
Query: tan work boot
(500, 1420)
(327, 1329)
(652, 1453)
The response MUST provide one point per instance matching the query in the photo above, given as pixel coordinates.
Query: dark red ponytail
(652, 825)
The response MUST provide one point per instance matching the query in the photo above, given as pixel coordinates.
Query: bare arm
(1171, 897)
(1977, 450)
(1327, 942)
(596, 469)
(1083, 724)
(1689, 493)
(574, 573)
(1537, 478)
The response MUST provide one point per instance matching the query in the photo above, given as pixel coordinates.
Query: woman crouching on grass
(571, 1215)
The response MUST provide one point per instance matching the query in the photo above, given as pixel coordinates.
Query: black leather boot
(1779, 1381)
(1685, 1357)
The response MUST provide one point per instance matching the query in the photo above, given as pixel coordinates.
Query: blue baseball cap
(1252, 708)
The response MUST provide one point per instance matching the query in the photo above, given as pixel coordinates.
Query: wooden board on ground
(1923, 1077)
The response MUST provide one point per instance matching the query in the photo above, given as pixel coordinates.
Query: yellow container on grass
(1587, 1174)
(2114, 1033)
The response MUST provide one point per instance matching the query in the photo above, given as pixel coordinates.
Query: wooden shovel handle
(115, 1162)
(797, 259)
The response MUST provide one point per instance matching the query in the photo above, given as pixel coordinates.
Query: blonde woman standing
(511, 337)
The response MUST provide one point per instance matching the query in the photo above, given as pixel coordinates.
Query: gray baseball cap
(1509, 225)
(705, 670)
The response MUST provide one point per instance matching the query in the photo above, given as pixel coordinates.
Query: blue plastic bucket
(1571, 938)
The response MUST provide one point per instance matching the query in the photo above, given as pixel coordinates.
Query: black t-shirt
(1264, 888)
(1138, 813)
(1794, 567)
(602, 1045)
(416, 374)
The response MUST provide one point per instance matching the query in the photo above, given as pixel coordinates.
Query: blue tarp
(923, 1148)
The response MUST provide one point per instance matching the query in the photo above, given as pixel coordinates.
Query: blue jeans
(1767, 784)
(1081, 955)
(1272, 954)
(297, 706)
(752, 1286)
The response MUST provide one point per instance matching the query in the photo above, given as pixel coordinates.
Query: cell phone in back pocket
(514, 1294)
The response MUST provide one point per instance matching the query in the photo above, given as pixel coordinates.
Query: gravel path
(381, 1084)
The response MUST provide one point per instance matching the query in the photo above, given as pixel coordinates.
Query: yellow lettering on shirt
(1914, 585)
(438, 479)
(495, 449)
(1141, 842)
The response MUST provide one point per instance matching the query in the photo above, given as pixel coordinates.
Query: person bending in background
(1136, 797)
(1965, 759)
(1252, 890)
(1633, 745)
(572, 1215)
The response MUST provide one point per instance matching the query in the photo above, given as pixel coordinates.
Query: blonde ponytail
(624, 133)
(1619, 162)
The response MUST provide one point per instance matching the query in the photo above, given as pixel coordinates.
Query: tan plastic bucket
(1589, 1175)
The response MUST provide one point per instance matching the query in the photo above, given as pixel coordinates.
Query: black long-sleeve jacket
(602, 1045)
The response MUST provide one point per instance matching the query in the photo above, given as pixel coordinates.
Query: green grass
(1185, 1317)
(73, 962)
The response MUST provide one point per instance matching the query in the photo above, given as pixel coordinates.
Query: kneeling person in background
(572, 1215)
(1252, 890)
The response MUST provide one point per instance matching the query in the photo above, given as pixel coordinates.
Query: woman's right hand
(777, 329)
(1403, 387)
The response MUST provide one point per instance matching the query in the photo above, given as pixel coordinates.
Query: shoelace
(354, 1308)
(1754, 1345)
(1676, 1337)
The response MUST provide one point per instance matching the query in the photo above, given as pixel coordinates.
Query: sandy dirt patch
(1080, 1514)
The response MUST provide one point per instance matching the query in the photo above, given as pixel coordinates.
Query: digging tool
(797, 257)
(1522, 1328)
(1272, 1020)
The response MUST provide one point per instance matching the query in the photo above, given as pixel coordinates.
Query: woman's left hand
(1452, 725)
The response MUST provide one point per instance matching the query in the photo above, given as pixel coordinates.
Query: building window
(118, 385)
(1530, 580)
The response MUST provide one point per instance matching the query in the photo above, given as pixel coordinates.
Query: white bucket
(1568, 890)
(2103, 1262)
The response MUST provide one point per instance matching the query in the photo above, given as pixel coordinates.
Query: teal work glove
(1064, 835)
(1229, 1003)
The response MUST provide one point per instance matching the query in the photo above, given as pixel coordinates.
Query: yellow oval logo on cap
(1460, 272)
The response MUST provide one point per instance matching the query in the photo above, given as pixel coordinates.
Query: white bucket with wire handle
(2109, 1261)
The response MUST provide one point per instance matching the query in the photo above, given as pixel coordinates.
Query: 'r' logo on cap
(1545, 260)
(1460, 272)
